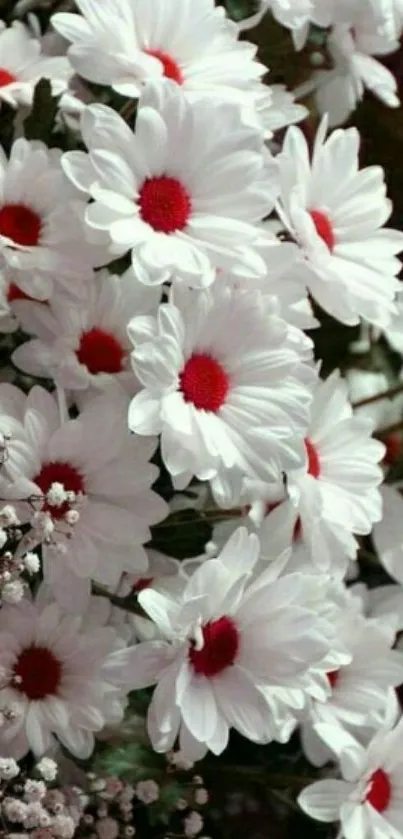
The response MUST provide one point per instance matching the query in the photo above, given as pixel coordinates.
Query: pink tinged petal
(241, 552)
(164, 706)
(78, 741)
(199, 708)
(38, 734)
(224, 592)
(241, 703)
(323, 800)
(79, 170)
(160, 609)
(144, 416)
(112, 524)
(137, 667)
(191, 748)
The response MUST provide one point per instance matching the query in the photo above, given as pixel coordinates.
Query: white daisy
(222, 399)
(22, 65)
(85, 345)
(352, 46)
(388, 533)
(55, 676)
(335, 212)
(359, 690)
(42, 235)
(126, 43)
(368, 801)
(364, 384)
(106, 474)
(169, 192)
(225, 642)
(337, 494)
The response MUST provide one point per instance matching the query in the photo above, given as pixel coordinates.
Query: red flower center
(39, 672)
(219, 651)
(393, 448)
(15, 293)
(142, 583)
(170, 68)
(380, 791)
(204, 382)
(313, 458)
(20, 224)
(333, 677)
(324, 228)
(164, 204)
(6, 77)
(61, 473)
(100, 352)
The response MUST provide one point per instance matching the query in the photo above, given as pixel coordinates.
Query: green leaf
(182, 535)
(241, 9)
(40, 122)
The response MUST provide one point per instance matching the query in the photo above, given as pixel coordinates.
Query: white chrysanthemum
(108, 473)
(42, 231)
(365, 385)
(352, 46)
(55, 677)
(367, 802)
(22, 65)
(388, 533)
(359, 690)
(335, 212)
(86, 344)
(126, 43)
(226, 642)
(221, 398)
(169, 193)
(338, 492)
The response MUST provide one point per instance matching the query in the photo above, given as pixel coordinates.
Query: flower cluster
(190, 485)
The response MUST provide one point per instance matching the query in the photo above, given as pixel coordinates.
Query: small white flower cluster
(29, 805)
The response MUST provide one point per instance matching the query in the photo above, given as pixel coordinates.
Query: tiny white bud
(47, 768)
(31, 562)
(72, 517)
(13, 591)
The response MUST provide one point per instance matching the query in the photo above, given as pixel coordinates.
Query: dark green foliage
(40, 122)
(183, 534)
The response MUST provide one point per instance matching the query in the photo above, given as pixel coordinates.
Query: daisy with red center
(361, 31)
(85, 345)
(225, 642)
(43, 244)
(336, 496)
(222, 399)
(178, 214)
(22, 65)
(336, 212)
(127, 43)
(91, 483)
(358, 692)
(367, 799)
(55, 676)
